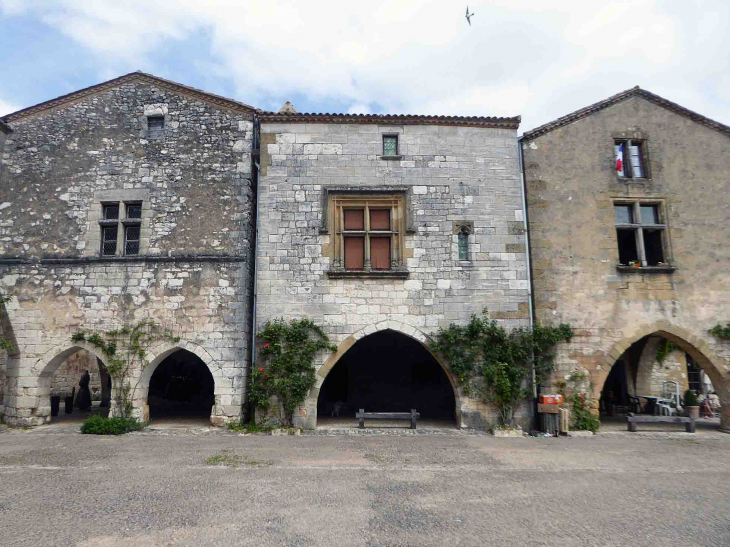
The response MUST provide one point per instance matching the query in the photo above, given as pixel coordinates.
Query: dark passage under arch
(387, 372)
(181, 387)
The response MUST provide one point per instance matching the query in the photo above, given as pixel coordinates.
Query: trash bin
(55, 404)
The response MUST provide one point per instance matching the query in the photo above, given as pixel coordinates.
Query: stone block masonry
(192, 269)
(448, 175)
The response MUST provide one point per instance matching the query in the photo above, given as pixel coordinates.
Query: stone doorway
(181, 391)
(386, 372)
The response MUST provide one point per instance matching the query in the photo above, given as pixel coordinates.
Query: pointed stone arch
(707, 359)
(310, 405)
(28, 399)
(228, 404)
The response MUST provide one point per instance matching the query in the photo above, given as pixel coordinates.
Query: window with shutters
(641, 233)
(121, 226)
(630, 159)
(368, 233)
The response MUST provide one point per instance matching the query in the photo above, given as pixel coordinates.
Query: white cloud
(541, 59)
(8, 108)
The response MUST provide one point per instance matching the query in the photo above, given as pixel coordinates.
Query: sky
(540, 59)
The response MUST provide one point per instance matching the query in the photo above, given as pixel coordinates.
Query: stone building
(383, 229)
(627, 202)
(128, 201)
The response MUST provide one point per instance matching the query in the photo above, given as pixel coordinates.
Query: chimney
(288, 108)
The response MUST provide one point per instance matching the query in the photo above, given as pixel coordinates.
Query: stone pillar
(645, 382)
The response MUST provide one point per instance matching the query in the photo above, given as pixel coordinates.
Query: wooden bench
(632, 420)
(412, 416)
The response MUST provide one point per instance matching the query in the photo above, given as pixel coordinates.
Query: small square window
(390, 145)
(155, 124)
(111, 211)
(649, 214)
(624, 214)
(354, 219)
(131, 240)
(379, 219)
(134, 210)
(109, 240)
(629, 156)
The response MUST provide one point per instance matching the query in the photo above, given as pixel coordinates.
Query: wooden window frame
(638, 228)
(626, 159)
(395, 203)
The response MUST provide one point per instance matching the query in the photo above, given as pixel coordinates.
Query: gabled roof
(615, 99)
(210, 98)
(400, 119)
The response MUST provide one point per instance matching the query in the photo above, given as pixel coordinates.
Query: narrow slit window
(390, 145)
(131, 240)
(463, 241)
(109, 240)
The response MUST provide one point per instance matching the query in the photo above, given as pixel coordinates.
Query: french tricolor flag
(620, 158)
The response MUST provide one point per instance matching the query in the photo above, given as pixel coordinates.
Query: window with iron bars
(130, 229)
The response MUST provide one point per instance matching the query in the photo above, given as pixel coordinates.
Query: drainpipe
(256, 163)
(528, 254)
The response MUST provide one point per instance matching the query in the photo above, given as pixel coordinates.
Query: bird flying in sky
(468, 15)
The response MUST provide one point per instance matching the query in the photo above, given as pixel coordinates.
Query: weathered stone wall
(571, 185)
(451, 175)
(194, 271)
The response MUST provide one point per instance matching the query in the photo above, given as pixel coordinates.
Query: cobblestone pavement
(383, 488)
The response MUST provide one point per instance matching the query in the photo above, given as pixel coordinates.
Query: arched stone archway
(228, 403)
(698, 349)
(29, 387)
(468, 412)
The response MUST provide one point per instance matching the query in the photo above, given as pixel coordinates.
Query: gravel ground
(178, 487)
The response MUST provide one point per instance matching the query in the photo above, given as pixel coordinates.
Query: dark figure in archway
(83, 399)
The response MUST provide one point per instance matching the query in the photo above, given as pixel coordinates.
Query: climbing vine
(581, 416)
(122, 348)
(5, 344)
(494, 364)
(721, 332)
(664, 349)
(288, 374)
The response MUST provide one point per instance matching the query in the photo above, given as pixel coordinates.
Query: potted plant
(691, 404)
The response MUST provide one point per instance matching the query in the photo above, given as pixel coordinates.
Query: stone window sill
(372, 274)
(391, 158)
(645, 269)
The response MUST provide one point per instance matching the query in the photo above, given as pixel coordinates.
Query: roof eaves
(5, 128)
(619, 97)
(401, 119)
(63, 100)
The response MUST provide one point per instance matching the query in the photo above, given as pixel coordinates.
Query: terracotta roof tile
(401, 119)
(619, 97)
